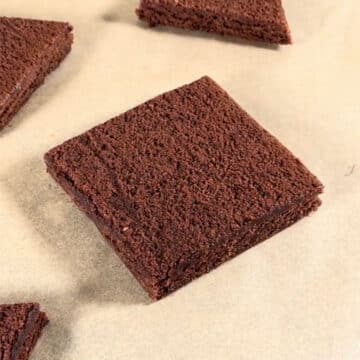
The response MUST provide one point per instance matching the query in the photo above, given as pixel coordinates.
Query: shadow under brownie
(183, 183)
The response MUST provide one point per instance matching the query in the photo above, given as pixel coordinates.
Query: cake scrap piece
(258, 20)
(183, 183)
(29, 51)
(20, 329)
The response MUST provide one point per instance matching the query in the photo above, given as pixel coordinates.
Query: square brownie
(183, 183)
(20, 328)
(259, 20)
(29, 51)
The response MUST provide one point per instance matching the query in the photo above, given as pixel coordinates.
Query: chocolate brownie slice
(259, 20)
(29, 50)
(183, 183)
(20, 329)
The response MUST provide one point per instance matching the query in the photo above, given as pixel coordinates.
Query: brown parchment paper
(296, 296)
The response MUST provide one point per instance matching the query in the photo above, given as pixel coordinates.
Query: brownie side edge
(33, 337)
(117, 241)
(254, 234)
(198, 19)
(20, 328)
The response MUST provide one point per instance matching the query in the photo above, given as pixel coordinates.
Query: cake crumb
(351, 171)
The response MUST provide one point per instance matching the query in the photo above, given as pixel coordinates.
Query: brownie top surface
(18, 312)
(182, 170)
(23, 45)
(260, 10)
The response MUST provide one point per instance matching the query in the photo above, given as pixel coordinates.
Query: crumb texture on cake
(182, 183)
(20, 328)
(259, 20)
(29, 51)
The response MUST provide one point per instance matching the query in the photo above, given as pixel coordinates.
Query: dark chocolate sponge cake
(183, 183)
(29, 50)
(259, 20)
(20, 328)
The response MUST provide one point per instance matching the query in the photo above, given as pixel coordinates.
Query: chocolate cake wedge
(183, 183)
(259, 20)
(29, 51)
(20, 329)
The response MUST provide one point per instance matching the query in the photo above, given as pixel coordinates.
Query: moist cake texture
(183, 183)
(259, 20)
(29, 51)
(20, 328)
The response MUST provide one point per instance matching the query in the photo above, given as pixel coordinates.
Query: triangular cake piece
(20, 328)
(259, 20)
(29, 50)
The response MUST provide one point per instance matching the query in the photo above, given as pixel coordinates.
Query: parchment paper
(296, 296)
